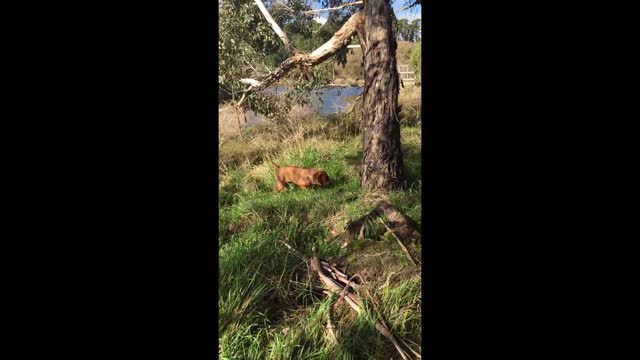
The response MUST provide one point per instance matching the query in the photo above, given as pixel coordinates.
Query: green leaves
(415, 59)
(249, 48)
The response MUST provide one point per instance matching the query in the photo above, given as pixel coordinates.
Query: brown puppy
(300, 176)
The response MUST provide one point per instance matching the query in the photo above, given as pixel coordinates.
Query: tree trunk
(382, 154)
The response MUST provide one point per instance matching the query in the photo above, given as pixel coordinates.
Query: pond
(325, 100)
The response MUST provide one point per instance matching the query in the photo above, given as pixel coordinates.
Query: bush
(415, 59)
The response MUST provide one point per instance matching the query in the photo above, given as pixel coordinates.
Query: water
(326, 100)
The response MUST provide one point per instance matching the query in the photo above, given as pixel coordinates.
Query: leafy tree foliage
(248, 47)
(408, 31)
(415, 59)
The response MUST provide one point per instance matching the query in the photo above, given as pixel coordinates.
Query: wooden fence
(406, 74)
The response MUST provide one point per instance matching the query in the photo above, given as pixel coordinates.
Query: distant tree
(402, 28)
(407, 31)
(415, 28)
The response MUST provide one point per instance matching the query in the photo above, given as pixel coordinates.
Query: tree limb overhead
(333, 8)
(415, 3)
(340, 40)
(276, 28)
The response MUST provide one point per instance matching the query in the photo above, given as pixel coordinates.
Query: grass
(270, 302)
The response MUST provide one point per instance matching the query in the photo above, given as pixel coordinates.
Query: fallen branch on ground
(330, 327)
(332, 270)
(322, 268)
(353, 301)
(346, 287)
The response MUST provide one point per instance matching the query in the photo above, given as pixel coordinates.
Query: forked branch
(340, 40)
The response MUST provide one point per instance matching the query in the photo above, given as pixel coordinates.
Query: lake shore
(230, 121)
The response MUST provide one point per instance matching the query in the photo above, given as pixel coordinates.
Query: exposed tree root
(401, 225)
(404, 248)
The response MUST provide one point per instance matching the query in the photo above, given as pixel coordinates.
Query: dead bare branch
(338, 272)
(276, 28)
(346, 287)
(351, 299)
(354, 302)
(251, 82)
(415, 3)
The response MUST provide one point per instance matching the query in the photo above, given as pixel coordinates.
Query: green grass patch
(269, 302)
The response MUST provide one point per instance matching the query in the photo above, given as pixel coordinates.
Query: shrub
(415, 59)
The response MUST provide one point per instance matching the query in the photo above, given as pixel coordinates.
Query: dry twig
(404, 248)
(330, 327)
(353, 301)
(296, 252)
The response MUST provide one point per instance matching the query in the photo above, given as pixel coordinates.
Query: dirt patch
(375, 261)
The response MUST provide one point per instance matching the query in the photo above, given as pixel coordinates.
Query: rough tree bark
(382, 155)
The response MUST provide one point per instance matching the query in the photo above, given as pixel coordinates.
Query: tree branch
(415, 3)
(333, 8)
(317, 10)
(340, 40)
(281, 34)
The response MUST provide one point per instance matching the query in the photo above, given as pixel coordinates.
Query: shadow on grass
(411, 158)
(360, 340)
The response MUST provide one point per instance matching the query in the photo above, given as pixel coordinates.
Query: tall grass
(270, 303)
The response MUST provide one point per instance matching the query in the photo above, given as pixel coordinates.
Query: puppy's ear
(324, 178)
(315, 177)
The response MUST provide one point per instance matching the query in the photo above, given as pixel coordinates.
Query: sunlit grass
(269, 302)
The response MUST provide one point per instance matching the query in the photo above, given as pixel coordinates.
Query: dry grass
(262, 139)
(402, 53)
(228, 123)
(410, 96)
